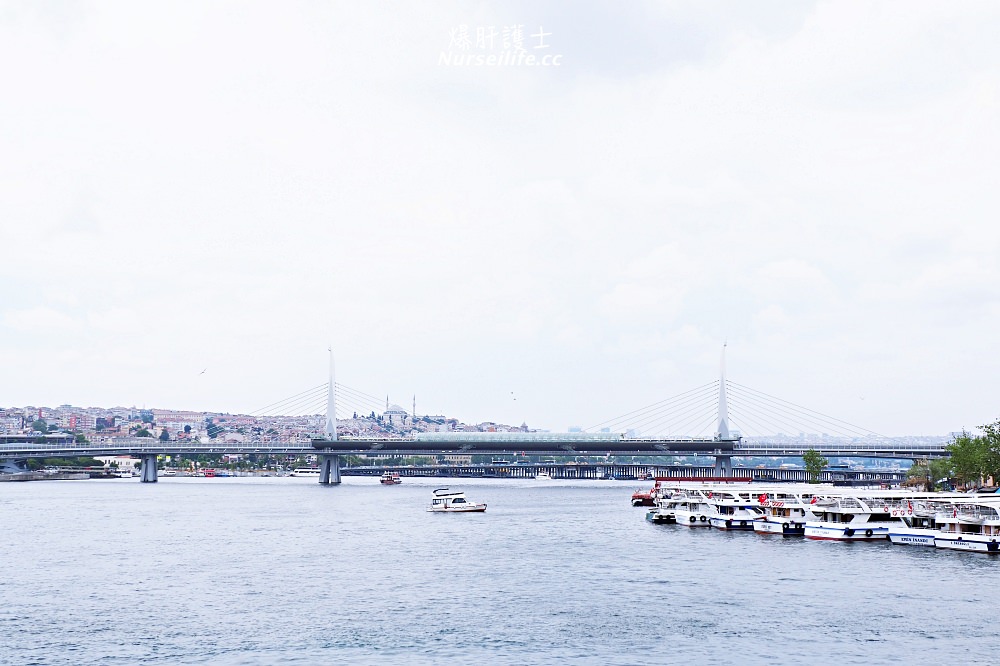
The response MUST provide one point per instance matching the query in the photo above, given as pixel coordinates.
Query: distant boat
(306, 471)
(448, 501)
(390, 479)
(543, 476)
(645, 497)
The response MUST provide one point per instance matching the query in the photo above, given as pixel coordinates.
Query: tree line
(974, 459)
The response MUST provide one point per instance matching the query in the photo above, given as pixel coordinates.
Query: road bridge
(724, 444)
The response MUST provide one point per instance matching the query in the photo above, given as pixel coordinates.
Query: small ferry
(305, 471)
(971, 526)
(731, 509)
(543, 476)
(865, 516)
(450, 501)
(785, 511)
(390, 479)
(919, 525)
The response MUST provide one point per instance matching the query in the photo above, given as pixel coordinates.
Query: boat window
(458, 500)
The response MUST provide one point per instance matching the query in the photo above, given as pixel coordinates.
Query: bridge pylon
(329, 469)
(329, 464)
(148, 468)
(723, 461)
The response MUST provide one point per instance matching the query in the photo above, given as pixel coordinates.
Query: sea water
(284, 570)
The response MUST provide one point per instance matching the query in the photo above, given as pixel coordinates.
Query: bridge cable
(812, 411)
(654, 405)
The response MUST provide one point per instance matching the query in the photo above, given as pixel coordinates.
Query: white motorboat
(306, 471)
(543, 476)
(451, 501)
(686, 508)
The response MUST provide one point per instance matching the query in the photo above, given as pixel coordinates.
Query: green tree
(815, 464)
(940, 472)
(920, 472)
(142, 432)
(164, 435)
(968, 457)
(39, 425)
(991, 452)
(81, 438)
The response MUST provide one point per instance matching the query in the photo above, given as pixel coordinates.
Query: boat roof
(444, 492)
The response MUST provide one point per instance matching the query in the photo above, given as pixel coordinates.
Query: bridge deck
(620, 447)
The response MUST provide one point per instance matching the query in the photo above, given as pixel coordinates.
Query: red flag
(813, 500)
(762, 498)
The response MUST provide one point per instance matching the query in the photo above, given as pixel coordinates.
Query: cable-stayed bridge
(721, 419)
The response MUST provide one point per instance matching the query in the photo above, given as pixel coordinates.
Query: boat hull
(732, 524)
(912, 537)
(655, 516)
(692, 520)
(969, 542)
(824, 532)
(785, 528)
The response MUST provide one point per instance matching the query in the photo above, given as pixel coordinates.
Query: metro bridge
(687, 410)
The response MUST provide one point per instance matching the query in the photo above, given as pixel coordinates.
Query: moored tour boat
(450, 501)
(732, 509)
(865, 516)
(785, 512)
(919, 525)
(306, 471)
(971, 526)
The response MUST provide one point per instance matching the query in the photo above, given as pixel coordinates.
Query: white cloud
(235, 185)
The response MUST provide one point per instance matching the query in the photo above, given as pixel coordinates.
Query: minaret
(413, 414)
(723, 430)
(331, 406)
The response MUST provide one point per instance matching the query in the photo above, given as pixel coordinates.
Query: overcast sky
(232, 187)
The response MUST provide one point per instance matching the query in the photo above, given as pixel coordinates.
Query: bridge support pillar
(723, 465)
(329, 469)
(149, 468)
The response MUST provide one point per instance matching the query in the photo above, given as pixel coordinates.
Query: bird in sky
(202, 372)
